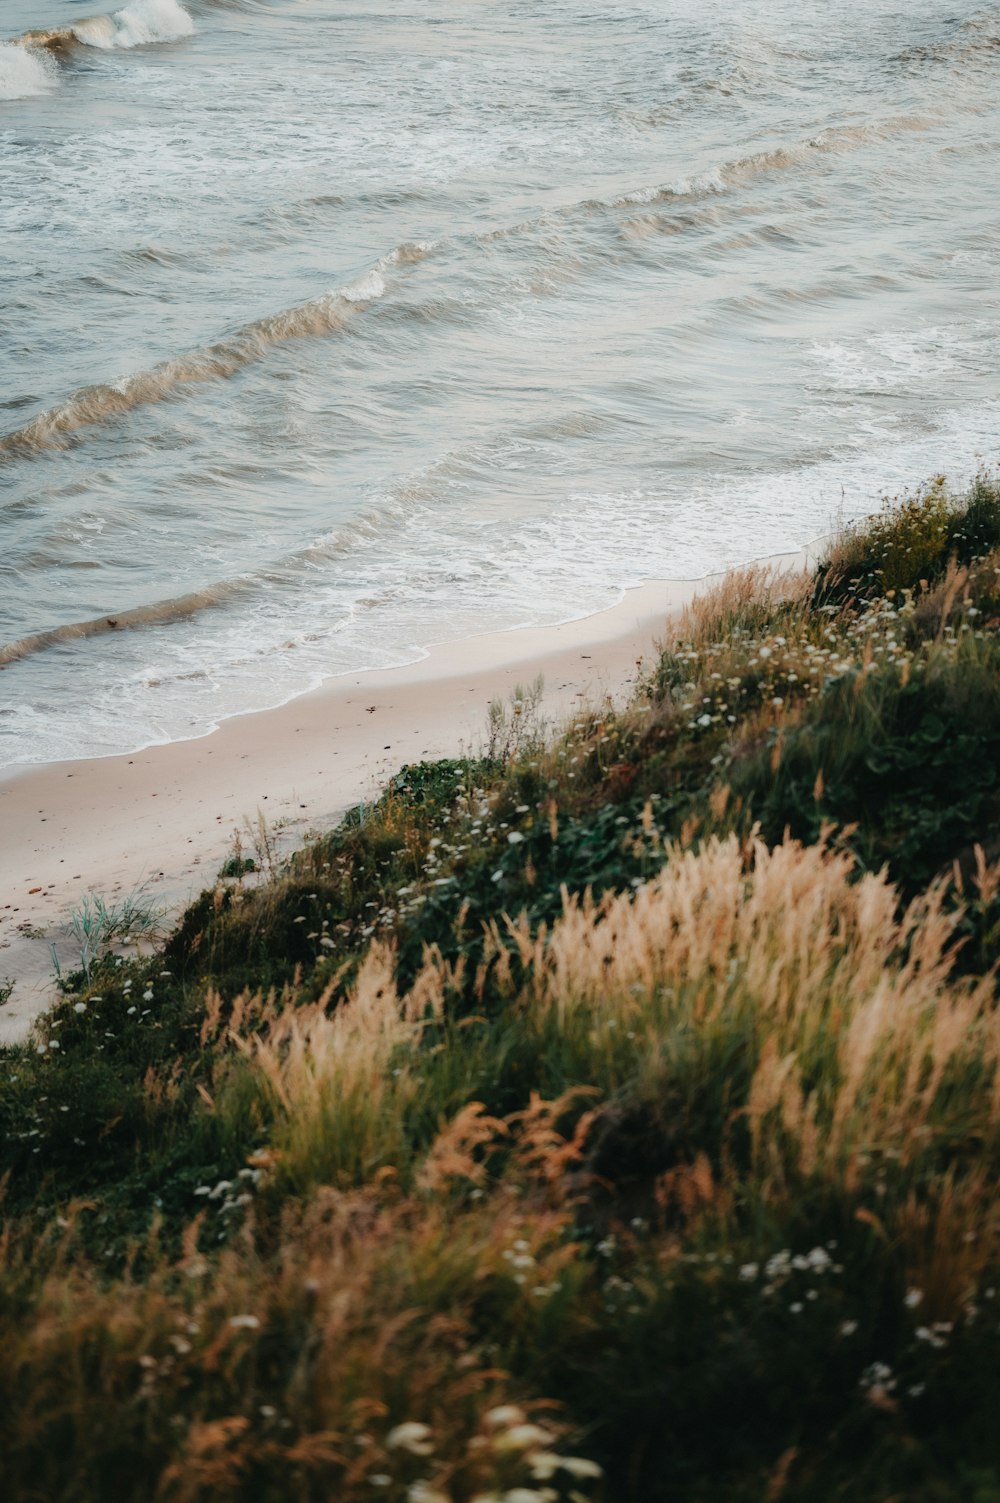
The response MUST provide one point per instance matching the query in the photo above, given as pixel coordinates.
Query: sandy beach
(164, 819)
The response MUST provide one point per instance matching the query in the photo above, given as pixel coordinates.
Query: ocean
(331, 329)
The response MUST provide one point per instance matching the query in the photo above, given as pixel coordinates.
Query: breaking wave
(838, 139)
(163, 613)
(98, 404)
(24, 71)
(136, 25)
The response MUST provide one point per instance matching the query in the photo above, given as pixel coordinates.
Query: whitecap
(365, 289)
(25, 71)
(135, 25)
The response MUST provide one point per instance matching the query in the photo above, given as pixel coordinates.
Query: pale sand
(165, 818)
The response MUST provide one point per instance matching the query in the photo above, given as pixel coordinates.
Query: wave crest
(137, 24)
(97, 404)
(162, 613)
(835, 140)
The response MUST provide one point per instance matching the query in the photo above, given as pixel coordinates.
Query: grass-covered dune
(615, 1117)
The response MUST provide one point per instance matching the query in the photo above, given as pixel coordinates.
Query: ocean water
(330, 329)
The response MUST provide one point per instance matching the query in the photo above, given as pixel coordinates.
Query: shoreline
(164, 819)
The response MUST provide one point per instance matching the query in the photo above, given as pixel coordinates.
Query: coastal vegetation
(613, 1116)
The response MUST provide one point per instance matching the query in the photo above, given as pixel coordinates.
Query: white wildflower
(580, 1466)
(778, 1265)
(422, 1492)
(410, 1436)
(523, 1437)
(504, 1415)
(244, 1322)
(878, 1376)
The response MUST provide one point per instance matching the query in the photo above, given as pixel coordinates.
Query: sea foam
(24, 71)
(135, 25)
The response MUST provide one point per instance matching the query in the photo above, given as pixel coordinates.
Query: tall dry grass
(390, 1295)
(852, 1055)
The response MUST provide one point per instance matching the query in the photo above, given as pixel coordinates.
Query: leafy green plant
(97, 926)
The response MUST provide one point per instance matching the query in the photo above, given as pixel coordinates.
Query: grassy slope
(690, 1179)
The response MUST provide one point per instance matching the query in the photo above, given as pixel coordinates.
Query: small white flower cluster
(773, 669)
(232, 1195)
(515, 1450)
(781, 1267)
(877, 1380)
(935, 1336)
(522, 1261)
(515, 1438)
(619, 1294)
(411, 1436)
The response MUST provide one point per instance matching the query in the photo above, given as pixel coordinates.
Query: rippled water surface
(331, 330)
